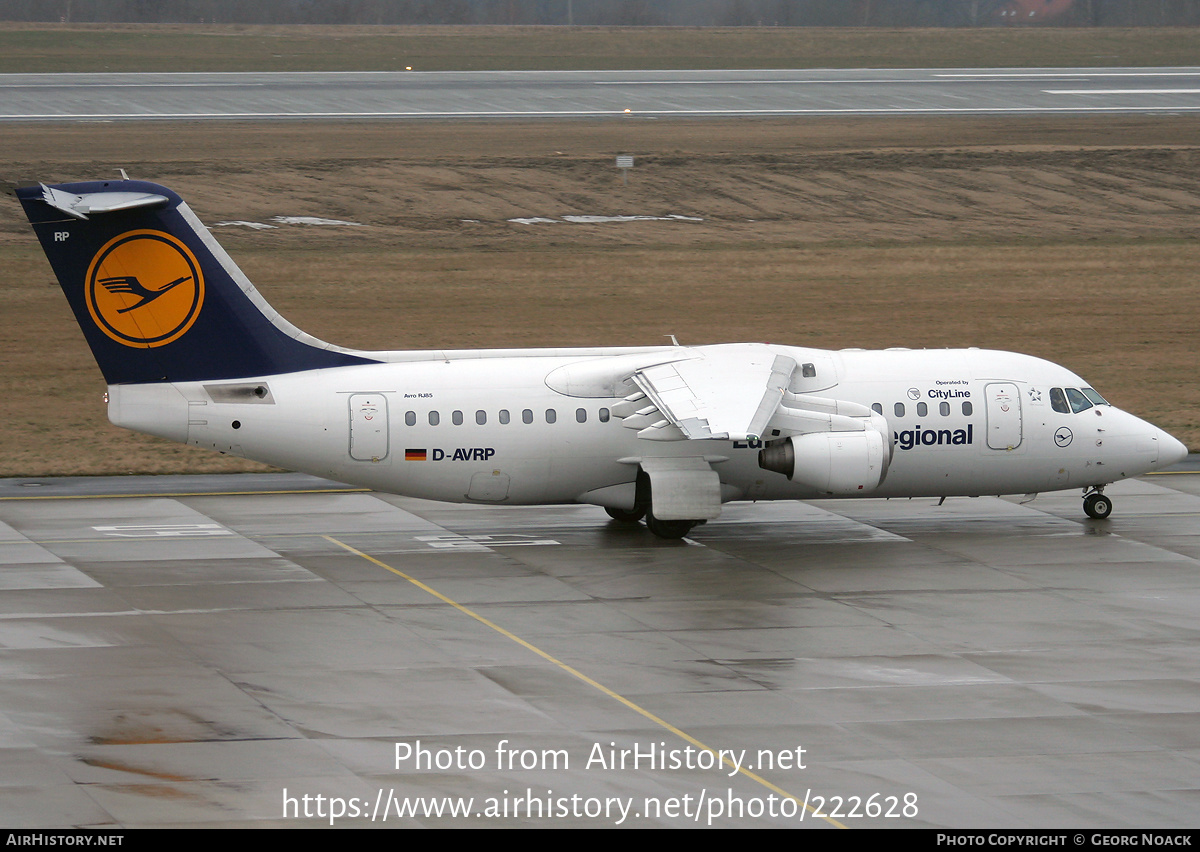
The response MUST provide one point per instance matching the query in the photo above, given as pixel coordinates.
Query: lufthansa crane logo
(144, 289)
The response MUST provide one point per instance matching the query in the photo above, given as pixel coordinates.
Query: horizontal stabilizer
(90, 203)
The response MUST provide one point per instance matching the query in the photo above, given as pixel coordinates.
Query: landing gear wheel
(1097, 506)
(625, 516)
(668, 529)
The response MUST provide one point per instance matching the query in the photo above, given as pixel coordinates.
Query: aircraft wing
(721, 392)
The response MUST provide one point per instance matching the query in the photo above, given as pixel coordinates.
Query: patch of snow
(593, 220)
(312, 220)
(258, 226)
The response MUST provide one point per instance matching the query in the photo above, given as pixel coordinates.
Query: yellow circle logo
(144, 289)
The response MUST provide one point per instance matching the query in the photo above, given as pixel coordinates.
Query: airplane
(192, 352)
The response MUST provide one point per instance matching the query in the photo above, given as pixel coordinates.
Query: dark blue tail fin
(157, 298)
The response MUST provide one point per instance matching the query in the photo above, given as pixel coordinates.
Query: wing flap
(719, 392)
(737, 392)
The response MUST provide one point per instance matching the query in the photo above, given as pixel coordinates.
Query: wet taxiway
(174, 653)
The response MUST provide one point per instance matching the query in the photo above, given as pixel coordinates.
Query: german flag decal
(415, 455)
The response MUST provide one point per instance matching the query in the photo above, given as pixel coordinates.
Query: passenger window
(457, 418)
(922, 409)
(504, 416)
(1058, 401)
(1078, 401)
(877, 407)
(410, 418)
(481, 417)
(968, 409)
(603, 415)
(581, 415)
(526, 416)
(809, 371)
(899, 409)
(434, 418)
(944, 409)
(551, 415)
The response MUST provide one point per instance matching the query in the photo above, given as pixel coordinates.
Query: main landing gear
(1096, 505)
(642, 509)
(625, 516)
(668, 529)
(662, 529)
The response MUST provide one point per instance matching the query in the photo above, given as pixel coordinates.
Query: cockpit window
(1058, 401)
(1094, 397)
(1078, 401)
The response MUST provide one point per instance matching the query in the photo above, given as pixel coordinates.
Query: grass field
(1070, 238)
(83, 48)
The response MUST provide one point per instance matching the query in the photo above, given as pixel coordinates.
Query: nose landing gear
(1096, 505)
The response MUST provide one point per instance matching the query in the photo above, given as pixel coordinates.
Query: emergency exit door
(368, 426)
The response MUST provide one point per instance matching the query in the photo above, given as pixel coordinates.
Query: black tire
(1097, 506)
(668, 529)
(625, 516)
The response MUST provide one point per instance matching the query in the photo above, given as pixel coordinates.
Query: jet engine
(832, 462)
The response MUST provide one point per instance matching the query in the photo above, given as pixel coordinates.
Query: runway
(593, 95)
(209, 651)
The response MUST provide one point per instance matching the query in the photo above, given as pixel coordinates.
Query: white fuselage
(469, 427)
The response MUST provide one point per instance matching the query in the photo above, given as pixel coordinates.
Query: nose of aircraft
(1170, 449)
(1135, 446)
